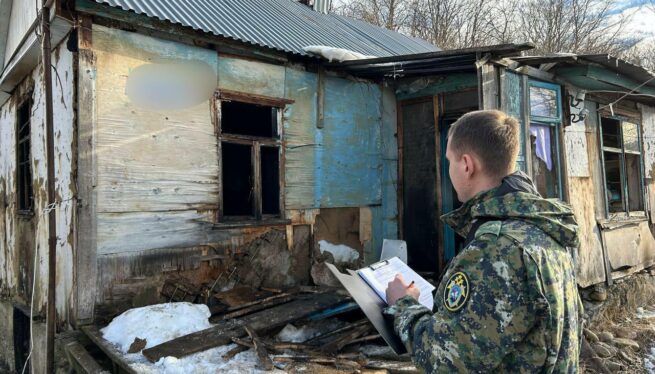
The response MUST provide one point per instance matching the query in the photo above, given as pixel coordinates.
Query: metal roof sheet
(285, 25)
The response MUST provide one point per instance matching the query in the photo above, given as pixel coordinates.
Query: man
(508, 302)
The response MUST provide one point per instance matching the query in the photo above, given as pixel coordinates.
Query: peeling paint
(31, 234)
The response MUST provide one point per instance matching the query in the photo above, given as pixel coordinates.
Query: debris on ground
(246, 329)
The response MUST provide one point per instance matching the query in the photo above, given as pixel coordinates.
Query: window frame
(555, 123)
(20, 209)
(255, 143)
(626, 212)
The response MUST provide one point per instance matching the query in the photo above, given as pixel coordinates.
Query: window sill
(25, 214)
(623, 220)
(251, 223)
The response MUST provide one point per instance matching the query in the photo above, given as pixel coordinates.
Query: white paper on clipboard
(378, 275)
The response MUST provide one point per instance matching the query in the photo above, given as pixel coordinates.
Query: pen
(411, 284)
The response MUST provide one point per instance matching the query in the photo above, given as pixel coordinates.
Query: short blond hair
(492, 136)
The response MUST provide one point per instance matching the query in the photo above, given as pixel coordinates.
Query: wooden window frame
(256, 143)
(555, 123)
(24, 184)
(626, 213)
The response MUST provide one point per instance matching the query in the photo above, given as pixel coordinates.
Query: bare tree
(391, 14)
(578, 26)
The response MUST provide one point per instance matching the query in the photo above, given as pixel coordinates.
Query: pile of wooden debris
(336, 336)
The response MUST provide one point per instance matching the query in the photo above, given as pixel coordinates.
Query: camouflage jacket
(508, 302)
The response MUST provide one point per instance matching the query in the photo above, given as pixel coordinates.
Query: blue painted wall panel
(299, 134)
(348, 155)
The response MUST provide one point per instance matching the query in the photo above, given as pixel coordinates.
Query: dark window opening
(632, 167)
(21, 340)
(270, 158)
(250, 159)
(613, 180)
(237, 180)
(25, 192)
(611, 133)
(249, 119)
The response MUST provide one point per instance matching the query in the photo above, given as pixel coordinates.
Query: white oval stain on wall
(169, 86)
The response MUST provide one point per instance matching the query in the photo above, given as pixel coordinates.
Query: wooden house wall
(25, 239)
(156, 173)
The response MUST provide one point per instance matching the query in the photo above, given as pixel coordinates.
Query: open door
(418, 143)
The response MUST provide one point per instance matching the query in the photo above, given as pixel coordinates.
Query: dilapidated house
(189, 137)
(587, 124)
(200, 138)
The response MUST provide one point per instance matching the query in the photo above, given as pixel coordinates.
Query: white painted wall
(64, 185)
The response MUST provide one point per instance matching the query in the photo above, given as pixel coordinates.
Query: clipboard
(371, 305)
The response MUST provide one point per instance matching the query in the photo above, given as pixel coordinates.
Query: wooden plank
(93, 333)
(262, 355)
(82, 360)
(346, 338)
(242, 296)
(234, 351)
(224, 332)
(489, 86)
(269, 302)
(86, 271)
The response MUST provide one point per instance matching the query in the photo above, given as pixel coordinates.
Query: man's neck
(485, 185)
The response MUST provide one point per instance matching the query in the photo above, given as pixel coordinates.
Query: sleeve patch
(456, 292)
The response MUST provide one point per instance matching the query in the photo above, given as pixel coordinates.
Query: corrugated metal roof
(284, 25)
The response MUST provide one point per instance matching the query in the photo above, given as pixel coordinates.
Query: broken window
(249, 134)
(545, 123)
(622, 164)
(25, 194)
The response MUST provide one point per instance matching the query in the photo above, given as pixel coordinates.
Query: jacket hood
(517, 199)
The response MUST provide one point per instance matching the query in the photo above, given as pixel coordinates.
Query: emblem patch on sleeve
(456, 293)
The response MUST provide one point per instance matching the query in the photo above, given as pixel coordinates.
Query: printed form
(378, 275)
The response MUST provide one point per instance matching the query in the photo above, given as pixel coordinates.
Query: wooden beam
(225, 330)
(81, 360)
(262, 355)
(114, 354)
(85, 274)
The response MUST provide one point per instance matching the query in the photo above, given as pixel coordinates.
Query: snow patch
(649, 361)
(341, 253)
(645, 313)
(292, 334)
(157, 324)
(164, 322)
(332, 53)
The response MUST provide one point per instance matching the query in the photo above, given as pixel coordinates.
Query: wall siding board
(389, 165)
(648, 129)
(300, 147)
(65, 189)
(348, 162)
(150, 160)
(251, 77)
(575, 139)
(630, 246)
(590, 264)
(512, 104)
(9, 258)
(23, 15)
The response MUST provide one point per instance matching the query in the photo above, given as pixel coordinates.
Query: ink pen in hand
(411, 284)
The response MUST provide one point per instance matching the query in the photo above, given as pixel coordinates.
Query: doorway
(425, 190)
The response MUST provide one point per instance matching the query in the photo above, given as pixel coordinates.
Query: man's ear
(469, 164)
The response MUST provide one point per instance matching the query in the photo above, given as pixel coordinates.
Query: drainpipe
(51, 317)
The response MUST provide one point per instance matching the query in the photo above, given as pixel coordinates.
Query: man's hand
(398, 288)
